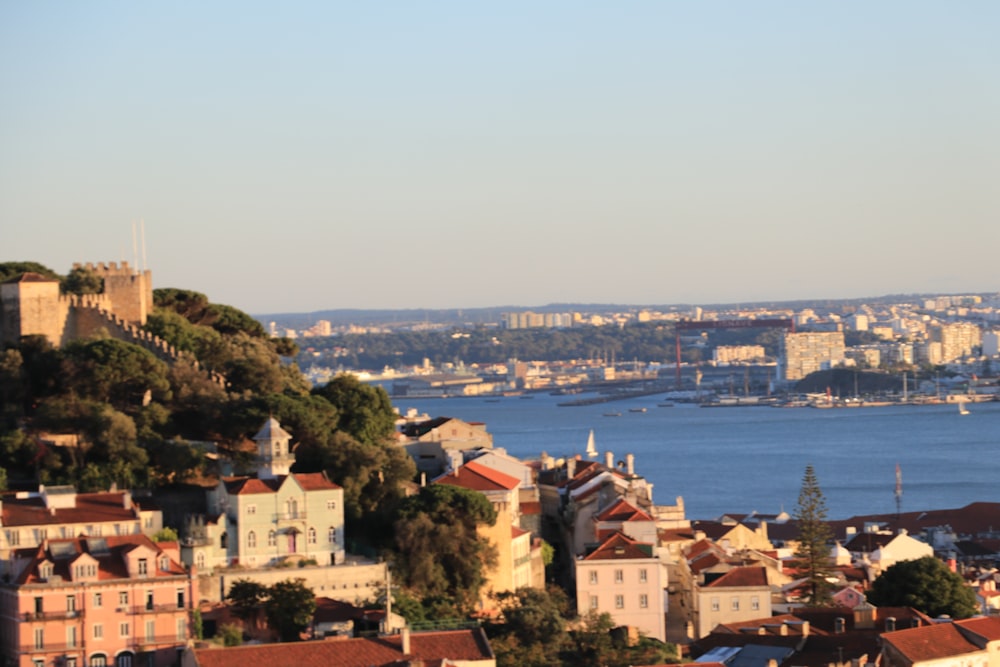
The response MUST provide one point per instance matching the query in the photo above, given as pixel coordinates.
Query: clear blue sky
(299, 156)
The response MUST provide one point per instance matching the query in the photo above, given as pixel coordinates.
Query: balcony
(143, 644)
(50, 647)
(285, 517)
(51, 615)
(156, 609)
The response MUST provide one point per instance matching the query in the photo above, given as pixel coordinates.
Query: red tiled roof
(246, 485)
(623, 510)
(517, 532)
(314, 481)
(110, 565)
(430, 647)
(478, 477)
(941, 640)
(741, 576)
(987, 628)
(90, 508)
(620, 547)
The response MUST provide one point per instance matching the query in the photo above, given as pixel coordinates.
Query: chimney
(838, 625)
(570, 468)
(405, 637)
(630, 464)
(127, 500)
(890, 624)
(609, 459)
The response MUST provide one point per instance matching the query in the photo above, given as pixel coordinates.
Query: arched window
(251, 540)
(331, 535)
(312, 535)
(98, 660)
(272, 538)
(124, 659)
(293, 508)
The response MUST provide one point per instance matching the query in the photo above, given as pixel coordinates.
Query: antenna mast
(135, 251)
(142, 229)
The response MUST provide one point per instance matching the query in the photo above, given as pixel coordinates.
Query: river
(741, 459)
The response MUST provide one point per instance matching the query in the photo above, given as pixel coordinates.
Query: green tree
(82, 280)
(926, 584)
(532, 631)
(289, 608)
(122, 374)
(231, 635)
(812, 555)
(245, 598)
(10, 270)
(438, 549)
(365, 410)
(166, 534)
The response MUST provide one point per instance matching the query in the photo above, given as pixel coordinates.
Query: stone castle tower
(33, 305)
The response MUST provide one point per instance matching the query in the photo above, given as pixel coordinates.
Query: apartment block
(808, 352)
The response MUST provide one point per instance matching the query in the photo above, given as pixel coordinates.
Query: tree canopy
(438, 552)
(926, 584)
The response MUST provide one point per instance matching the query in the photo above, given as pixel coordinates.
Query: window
(735, 604)
(123, 629)
(619, 602)
(70, 603)
(150, 630)
(593, 576)
(182, 629)
(331, 535)
(755, 603)
(593, 602)
(123, 660)
(98, 631)
(39, 638)
(38, 662)
(149, 600)
(715, 604)
(312, 535)
(251, 540)
(251, 509)
(14, 537)
(99, 660)
(272, 538)
(331, 504)
(199, 560)
(45, 570)
(98, 600)
(38, 605)
(143, 567)
(70, 661)
(123, 598)
(180, 598)
(293, 508)
(642, 575)
(643, 601)
(619, 576)
(71, 637)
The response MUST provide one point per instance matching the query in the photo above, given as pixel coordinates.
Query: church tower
(274, 450)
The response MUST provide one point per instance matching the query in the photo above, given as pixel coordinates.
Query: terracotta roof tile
(90, 508)
(430, 647)
(479, 478)
(932, 642)
(741, 577)
(619, 547)
(314, 481)
(623, 510)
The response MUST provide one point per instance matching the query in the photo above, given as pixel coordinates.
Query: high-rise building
(812, 351)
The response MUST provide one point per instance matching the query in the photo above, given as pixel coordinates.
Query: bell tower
(274, 450)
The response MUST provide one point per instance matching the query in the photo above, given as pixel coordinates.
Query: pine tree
(813, 552)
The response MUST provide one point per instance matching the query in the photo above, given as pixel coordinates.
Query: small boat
(962, 410)
(637, 409)
(591, 447)
(612, 414)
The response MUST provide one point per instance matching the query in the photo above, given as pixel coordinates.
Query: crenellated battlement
(105, 269)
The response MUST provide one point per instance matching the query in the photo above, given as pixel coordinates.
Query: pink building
(95, 602)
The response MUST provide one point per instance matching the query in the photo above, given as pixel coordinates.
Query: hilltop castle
(33, 306)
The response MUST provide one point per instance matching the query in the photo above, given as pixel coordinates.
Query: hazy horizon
(321, 156)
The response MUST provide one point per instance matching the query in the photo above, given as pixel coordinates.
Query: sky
(302, 156)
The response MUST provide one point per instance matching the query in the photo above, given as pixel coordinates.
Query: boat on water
(591, 446)
(637, 409)
(962, 410)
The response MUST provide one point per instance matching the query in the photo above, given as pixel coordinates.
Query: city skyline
(314, 157)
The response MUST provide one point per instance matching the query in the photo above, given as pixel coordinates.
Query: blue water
(743, 459)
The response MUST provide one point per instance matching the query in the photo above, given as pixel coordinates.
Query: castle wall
(33, 309)
(130, 292)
